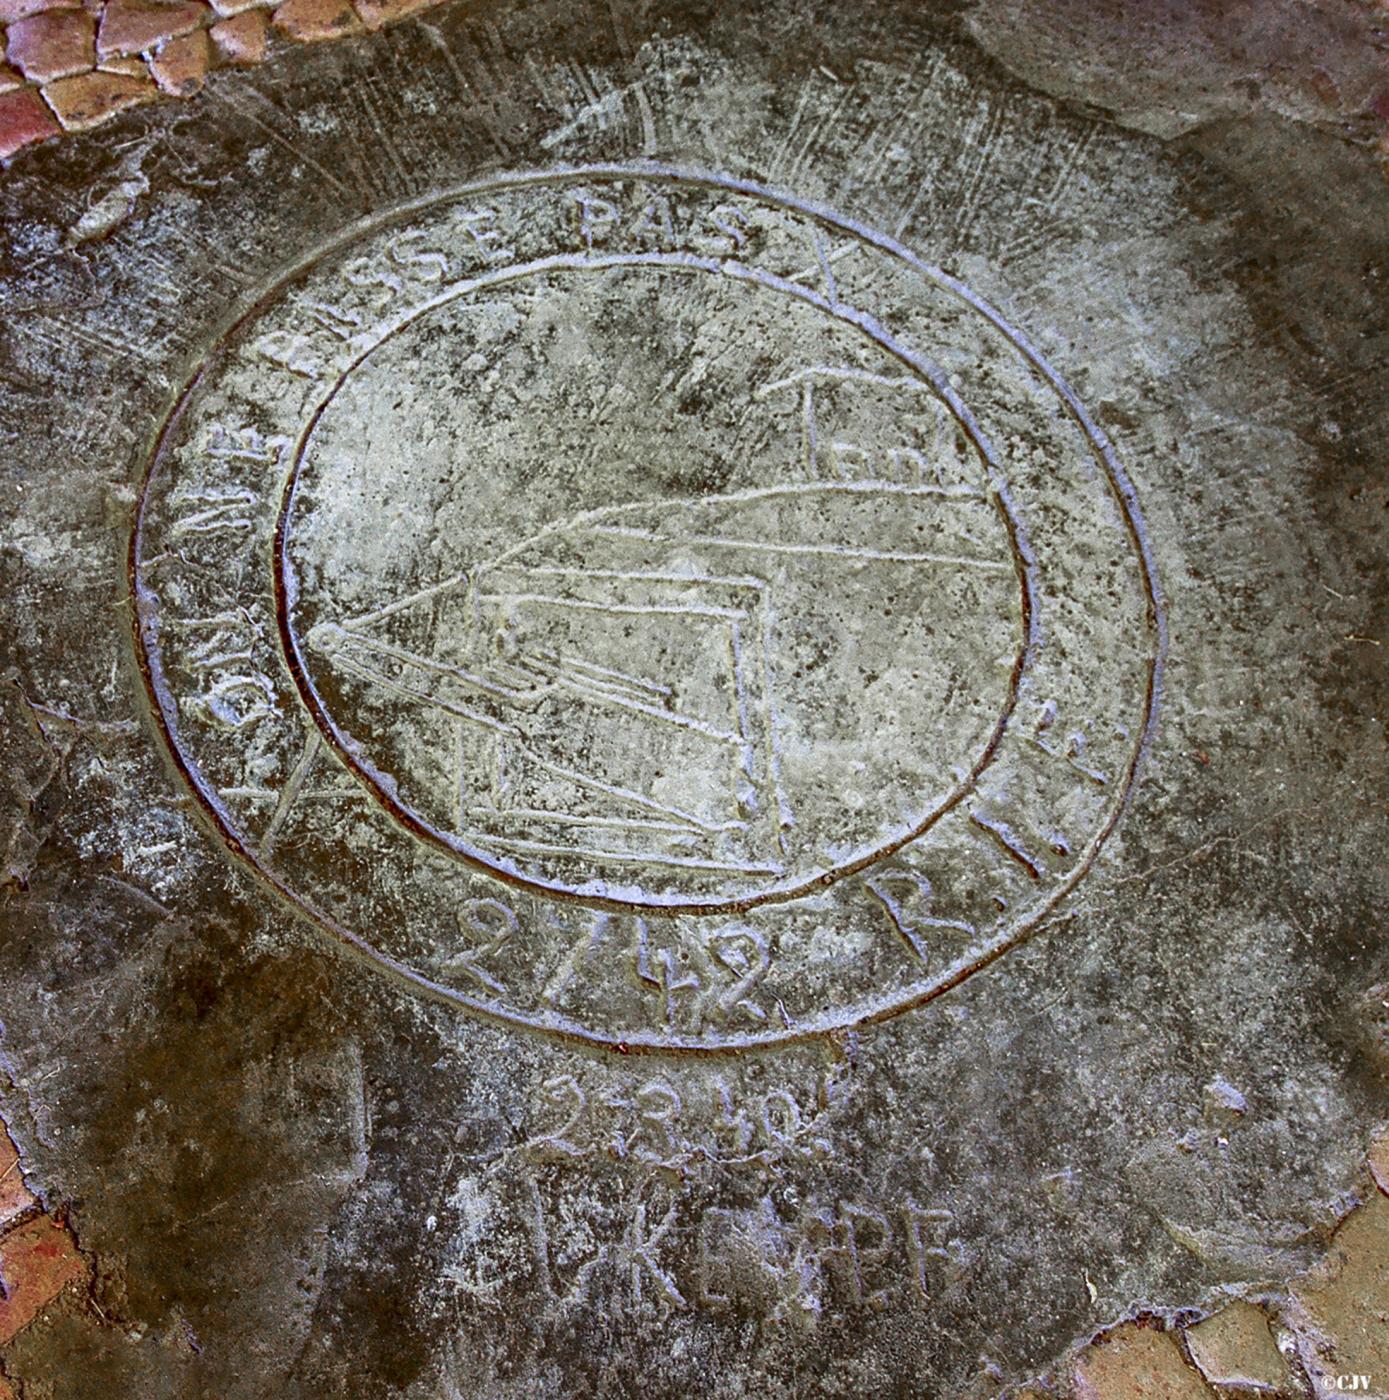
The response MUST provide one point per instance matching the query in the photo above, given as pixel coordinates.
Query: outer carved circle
(644, 607)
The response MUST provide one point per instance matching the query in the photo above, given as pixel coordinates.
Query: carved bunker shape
(588, 732)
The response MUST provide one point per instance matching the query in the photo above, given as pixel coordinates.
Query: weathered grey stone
(683, 675)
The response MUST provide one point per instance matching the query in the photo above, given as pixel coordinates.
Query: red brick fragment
(181, 65)
(241, 39)
(23, 120)
(375, 13)
(1344, 1299)
(51, 45)
(93, 98)
(11, 10)
(37, 1261)
(1132, 1362)
(1234, 1349)
(311, 20)
(133, 26)
(15, 1196)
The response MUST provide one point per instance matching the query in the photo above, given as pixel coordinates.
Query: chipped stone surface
(131, 67)
(375, 13)
(560, 377)
(1134, 1362)
(237, 7)
(1235, 1348)
(1223, 1102)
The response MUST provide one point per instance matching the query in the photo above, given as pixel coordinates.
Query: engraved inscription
(785, 1259)
(657, 1123)
(651, 610)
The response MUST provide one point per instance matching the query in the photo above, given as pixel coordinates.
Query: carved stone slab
(715, 625)
(693, 707)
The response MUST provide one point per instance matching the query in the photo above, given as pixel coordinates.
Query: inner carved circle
(640, 583)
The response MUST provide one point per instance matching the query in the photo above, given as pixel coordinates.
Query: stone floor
(1326, 1333)
(1140, 1153)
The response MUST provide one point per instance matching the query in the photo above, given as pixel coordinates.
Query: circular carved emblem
(641, 606)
